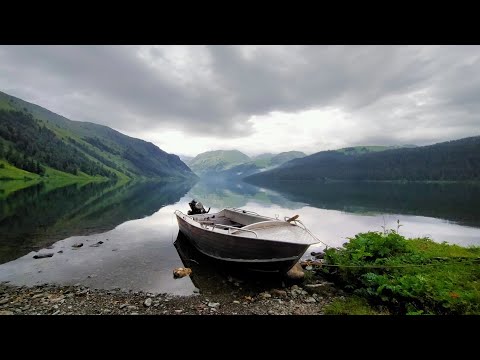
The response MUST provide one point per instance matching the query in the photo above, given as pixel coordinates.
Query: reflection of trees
(455, 202)
(222, 193)
(33, 217)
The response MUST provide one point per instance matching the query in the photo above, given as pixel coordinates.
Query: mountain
(212, 162)
(457, 160)
(283, 157)
(43, 143)
(259, 163)
(185, 158)
(357, 150)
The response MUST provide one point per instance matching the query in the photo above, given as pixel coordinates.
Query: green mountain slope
(37, 139)
(212, 162)
(448, 161)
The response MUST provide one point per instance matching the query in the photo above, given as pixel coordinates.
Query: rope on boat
(389, 266)
(308, 231)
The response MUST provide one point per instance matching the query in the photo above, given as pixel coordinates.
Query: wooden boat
(242, 237)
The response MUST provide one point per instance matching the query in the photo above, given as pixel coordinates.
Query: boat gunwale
(220, 231)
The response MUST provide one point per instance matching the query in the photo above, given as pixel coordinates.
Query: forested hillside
(35, 140)
(457, 160)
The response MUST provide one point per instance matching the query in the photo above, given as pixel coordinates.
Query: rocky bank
(306, 298)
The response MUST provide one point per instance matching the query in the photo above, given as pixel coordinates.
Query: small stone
(81, 293)
(134, 313)
(310, 300)
(271, 312)
(279, 293)
(6, 312)
(309, 267)
(148, 302)
(236, 302)
(132, 307)
(41, 256)
(38, 296)
(77, 245)
(178, 311)
(181, 272)
(56, 312)
(100, 242)
(296, 272)
(55, 307)
(196, 291)
(265, 295)
(4, 301)
(213, 304)
(60, 252)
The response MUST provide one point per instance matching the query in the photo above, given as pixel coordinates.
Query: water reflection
(212, 276)
(36, 217)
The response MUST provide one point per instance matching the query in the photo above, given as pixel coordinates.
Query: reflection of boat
(189, 255)
(246, 238)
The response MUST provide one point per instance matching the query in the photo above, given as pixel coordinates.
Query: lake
(130, 237)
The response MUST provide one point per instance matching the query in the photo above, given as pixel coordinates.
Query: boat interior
(231, 217)
(250, 224)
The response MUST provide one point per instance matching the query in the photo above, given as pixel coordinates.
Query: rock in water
(41, 256)
(77, 245)
(296, 272)
(181, 272)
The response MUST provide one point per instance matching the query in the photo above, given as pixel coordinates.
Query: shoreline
(49, 299)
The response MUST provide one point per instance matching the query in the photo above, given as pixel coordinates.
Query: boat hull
(250, 253)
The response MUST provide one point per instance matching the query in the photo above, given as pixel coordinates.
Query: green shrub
(410, 276)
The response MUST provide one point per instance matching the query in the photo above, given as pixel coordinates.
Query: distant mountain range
(457, 160)
(235, 164)
(45, 144)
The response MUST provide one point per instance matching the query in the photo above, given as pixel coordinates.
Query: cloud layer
(242, 95)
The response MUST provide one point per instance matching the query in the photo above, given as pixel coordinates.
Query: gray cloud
(414, 94)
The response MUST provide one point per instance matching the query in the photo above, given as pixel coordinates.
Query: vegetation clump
(409, 276)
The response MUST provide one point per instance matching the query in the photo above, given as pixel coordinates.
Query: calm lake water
(137, 229)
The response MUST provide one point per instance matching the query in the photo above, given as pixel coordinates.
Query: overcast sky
(190, 99)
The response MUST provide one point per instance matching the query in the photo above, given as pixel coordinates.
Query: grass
(352, 305)
(10, 172)
(13, 179)
(409, 276)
